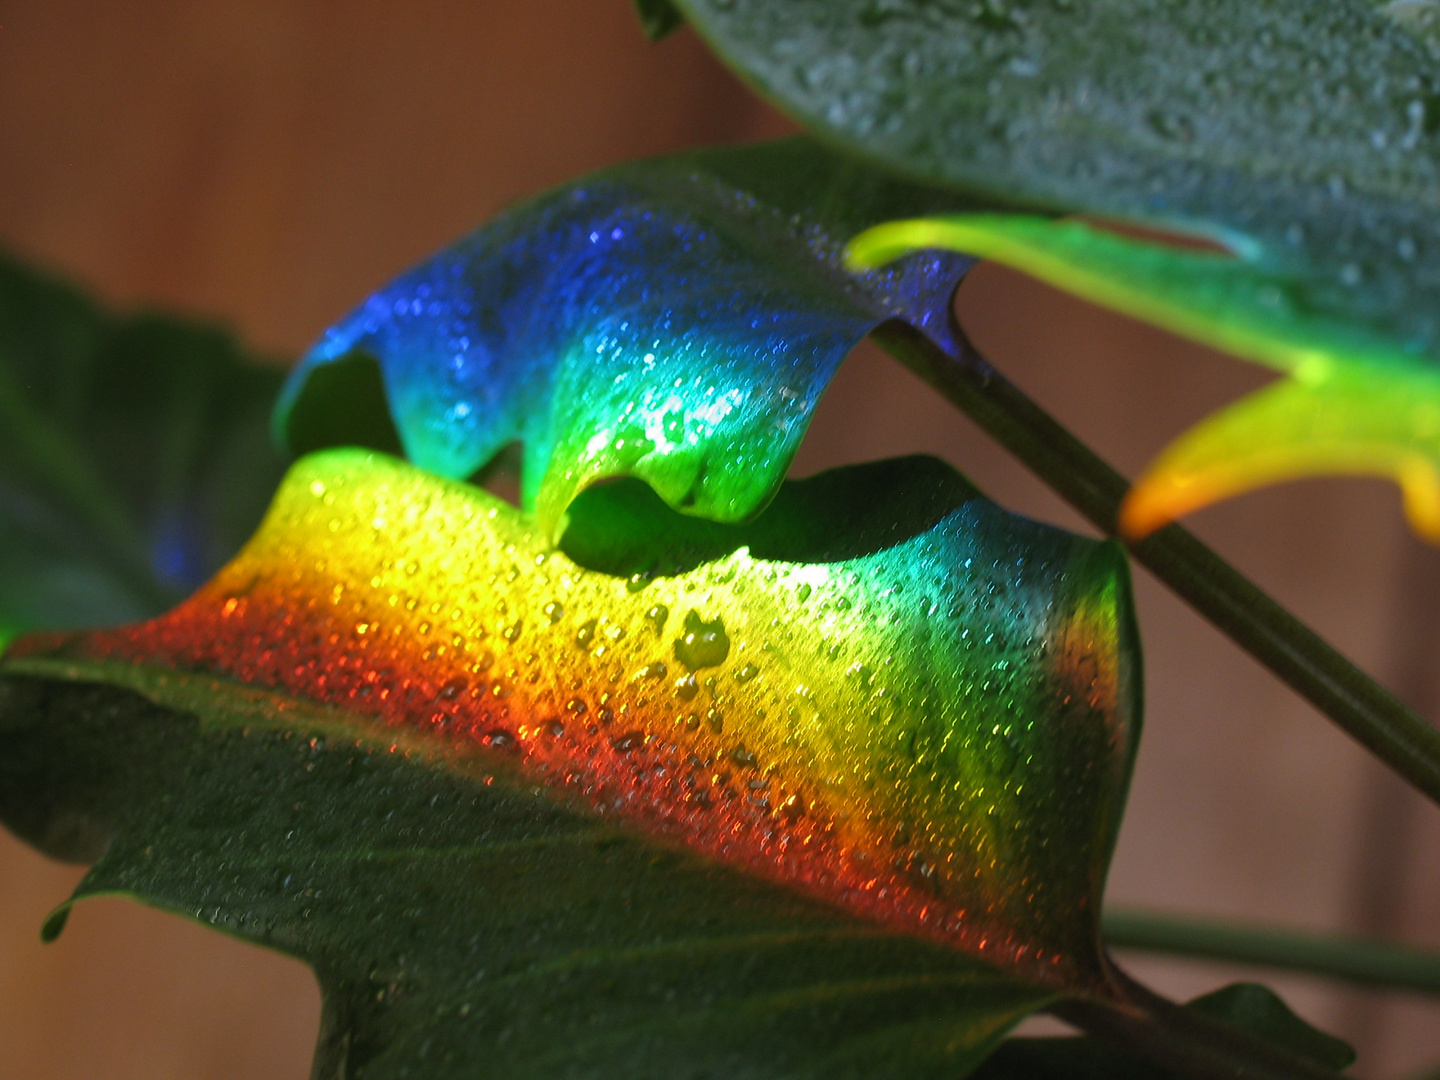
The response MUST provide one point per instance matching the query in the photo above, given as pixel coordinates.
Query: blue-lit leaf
(674, 320)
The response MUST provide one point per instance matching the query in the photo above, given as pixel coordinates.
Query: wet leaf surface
(674, 320)
(830, 793)
(462, 924)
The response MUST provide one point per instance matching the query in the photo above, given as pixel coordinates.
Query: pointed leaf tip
(54, 924)
(1354, 420)
(1353, 400)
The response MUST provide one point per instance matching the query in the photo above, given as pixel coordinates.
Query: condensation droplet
(631, 740)
(499, 739)
(703, 644)
(586, 634)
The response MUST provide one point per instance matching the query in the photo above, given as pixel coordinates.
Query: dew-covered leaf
(461, 924)
(829, 792)
(134, 456)
(674, 320)
(1304, 137)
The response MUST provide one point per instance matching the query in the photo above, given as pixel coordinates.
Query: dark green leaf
(1253, 1009)
(659, 17)
(463, 924)
(1260, 1011)
(134, 456)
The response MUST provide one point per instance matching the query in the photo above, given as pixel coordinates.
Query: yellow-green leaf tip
(1355, 421)
(1355, 401)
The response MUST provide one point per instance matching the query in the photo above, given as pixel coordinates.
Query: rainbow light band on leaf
(657, 320)
(1356, 400)
(934, 731)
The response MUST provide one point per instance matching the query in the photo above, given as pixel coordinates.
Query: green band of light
(1234, 304)
(1356, 402)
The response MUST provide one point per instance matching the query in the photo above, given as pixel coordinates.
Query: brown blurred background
(268, 163)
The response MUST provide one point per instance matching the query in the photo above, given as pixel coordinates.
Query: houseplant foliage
(1298, 138)
(698, 772)
(133, 453)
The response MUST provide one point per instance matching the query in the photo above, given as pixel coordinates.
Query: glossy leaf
(674, 320)
(930, 722)
(1253, 1009)
(134, 457)
(907, 737)
(1354, 401)
(463, 925)
(1304, 137)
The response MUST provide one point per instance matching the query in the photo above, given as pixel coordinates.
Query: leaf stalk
(1356, 960)
(1182, 1040)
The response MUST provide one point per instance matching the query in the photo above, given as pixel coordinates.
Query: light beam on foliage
(930, 724)
(674, 320)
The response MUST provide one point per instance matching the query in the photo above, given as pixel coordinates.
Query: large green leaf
(1302, 137)
(459, 772)
(134, 458)
(461, 924)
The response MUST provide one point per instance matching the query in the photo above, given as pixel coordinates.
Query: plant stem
(1145, 1024)
(1294, 652)
(1373, 963)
